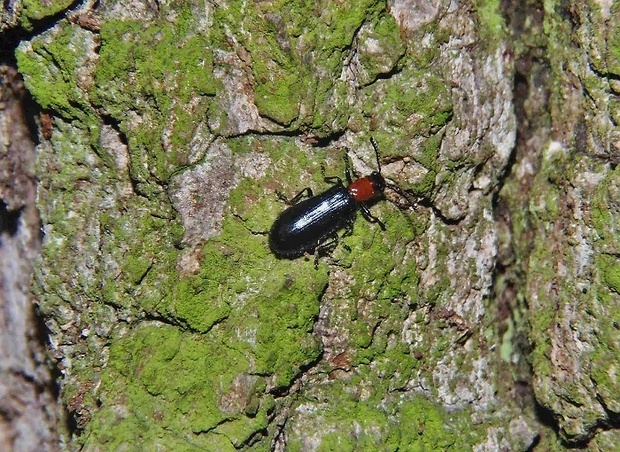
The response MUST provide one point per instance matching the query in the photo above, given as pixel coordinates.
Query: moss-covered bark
(175, 124)
(564, 214)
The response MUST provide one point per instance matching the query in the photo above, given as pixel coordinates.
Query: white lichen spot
(201, 193)
(112, 144)
(306, 409)
(495, 441)
(524, 168)
(371, 46)
(412, 14)
(555, 149)
(247, 335)
(253, 165)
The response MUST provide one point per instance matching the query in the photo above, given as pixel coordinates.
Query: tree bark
(486, 315)
(28, 407)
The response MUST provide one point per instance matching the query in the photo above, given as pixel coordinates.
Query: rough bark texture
(561, 201)
(485, 317)
(28, 409)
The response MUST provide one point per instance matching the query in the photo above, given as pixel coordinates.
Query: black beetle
(313, 224)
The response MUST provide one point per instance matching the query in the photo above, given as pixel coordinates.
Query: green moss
(239, 432)
(296, 60)
(50, 68)
(384, 51)
(152, 60)
(190, 347)
(166, 71)
(425, 427)
(543, 316)
(395, 365)
(36, 10)
(348, 423)
(55, 95)
(331, 111)
(278, 75)
(493, 27)
(279, 91)
(609, 266)
(240, 290)
(164, 379)
(613, 42)
(430, 149)
(194, 304)
(605, 358)
(415, 102)
(146, 267)
(399, 102)
(603, 217)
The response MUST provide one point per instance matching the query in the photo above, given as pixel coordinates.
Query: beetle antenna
(390, 184)
(376, 148)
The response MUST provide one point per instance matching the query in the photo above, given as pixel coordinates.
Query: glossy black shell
(305, 225)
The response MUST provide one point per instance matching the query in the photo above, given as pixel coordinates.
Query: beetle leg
(370, 217)
(330, 179)
(329, 244)
(325, 247)
(332, 242)
(306, 192)
(347, 232)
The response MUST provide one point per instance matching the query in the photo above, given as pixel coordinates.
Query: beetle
(313, 224)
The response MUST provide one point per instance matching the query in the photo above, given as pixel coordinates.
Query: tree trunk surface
(485, 317)
(28, 414)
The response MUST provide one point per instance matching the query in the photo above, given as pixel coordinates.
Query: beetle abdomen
(305, 225)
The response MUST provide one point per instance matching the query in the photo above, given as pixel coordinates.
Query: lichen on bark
(176, 124)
